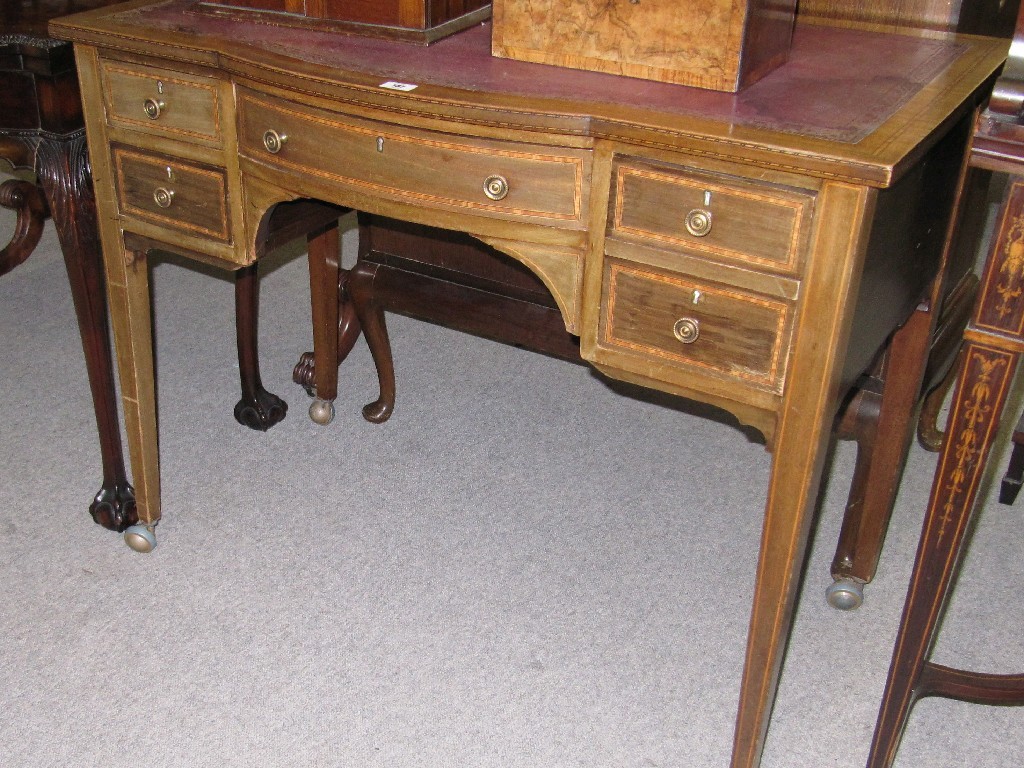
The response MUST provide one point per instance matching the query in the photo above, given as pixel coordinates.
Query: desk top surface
(848, 103)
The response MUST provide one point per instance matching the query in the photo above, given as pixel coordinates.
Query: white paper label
(392, 85)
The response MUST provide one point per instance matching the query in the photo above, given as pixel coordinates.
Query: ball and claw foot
(322, 411)
(114, 506)
(141, 538)
(845, 594)
(262, 412)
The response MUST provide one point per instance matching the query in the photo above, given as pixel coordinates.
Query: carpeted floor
(523, 568)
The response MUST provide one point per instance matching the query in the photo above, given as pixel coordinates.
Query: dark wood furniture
(754, 252)
(994, 341)
(1009, 488)
(416, 21)
(42, 131)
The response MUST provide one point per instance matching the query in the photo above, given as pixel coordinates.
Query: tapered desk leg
(128, 291)
(63, 170)
(799, 450)
(324, 274)
(995, 339)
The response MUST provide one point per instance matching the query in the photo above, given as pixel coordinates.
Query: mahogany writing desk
(753, 251)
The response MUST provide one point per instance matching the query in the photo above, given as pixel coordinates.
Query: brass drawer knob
(153, 108)
(698, 222)
(496, 187)
(687, 330)
(274, 141)
(163, 197)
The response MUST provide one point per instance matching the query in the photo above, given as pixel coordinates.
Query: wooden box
(421, 21)
(719, 44)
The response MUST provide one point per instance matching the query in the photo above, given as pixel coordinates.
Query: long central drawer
(509, 180)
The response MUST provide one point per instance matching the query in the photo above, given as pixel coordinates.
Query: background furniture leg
(371, 317)
(257, 409)
(63, 170)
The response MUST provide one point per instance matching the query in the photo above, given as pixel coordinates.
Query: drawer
(488, 177)
(701, 325)
(169, 192)
(725, 218)
(162, 101)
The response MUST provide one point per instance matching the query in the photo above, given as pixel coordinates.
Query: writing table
(751, 251)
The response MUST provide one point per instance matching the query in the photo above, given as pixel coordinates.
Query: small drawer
(725, 218)
(162, 101)
(172, 193)
(508, 180)
(707, 326)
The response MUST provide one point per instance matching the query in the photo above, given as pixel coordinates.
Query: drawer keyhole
(686, 329)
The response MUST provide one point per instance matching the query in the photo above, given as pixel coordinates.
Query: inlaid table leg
(799, 450)
(128, 289)
(995, 339)
(63, 170)
(324, 252)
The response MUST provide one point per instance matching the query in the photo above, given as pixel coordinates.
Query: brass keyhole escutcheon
(274, 141)
(153, 108)
(163, 197)
(698, 222)
(496, 187)
(686, 329)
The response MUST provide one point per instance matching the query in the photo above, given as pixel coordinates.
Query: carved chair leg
(361, 290)
(26, 198)
(64, 175)
(257, 409)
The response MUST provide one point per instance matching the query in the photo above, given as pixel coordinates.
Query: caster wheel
(845, 594)
(322, 411)
(141, 538)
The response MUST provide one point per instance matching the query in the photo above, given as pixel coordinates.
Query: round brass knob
(153, 108)
(698, 222)
(686, 330)
(163, 197)
(274, 141)
(496, 187)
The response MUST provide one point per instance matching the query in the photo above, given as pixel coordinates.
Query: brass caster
(845, 594)
(141, 538)
(322, 411)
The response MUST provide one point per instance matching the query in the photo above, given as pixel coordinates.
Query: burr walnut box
(723, 45)
(422, 21)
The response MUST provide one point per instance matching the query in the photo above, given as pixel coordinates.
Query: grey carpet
(524, 568)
